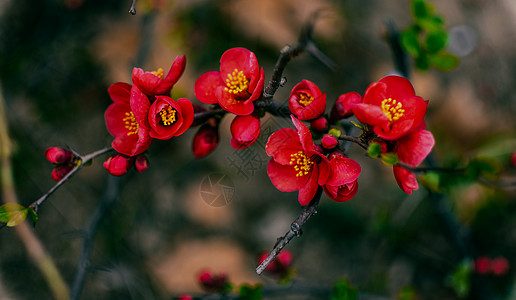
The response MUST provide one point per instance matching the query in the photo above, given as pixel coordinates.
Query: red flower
(329, 141)
(211, 282)
(482, 265)
(296, 165)
(499, 266)
(245, 131)
(239, 82)
(342, 184)
(127, 125)
(168, 118)
(118, 165)
(205, 140)
(343, 107)
(154, 83)
(306, 101)
(391, 107)
(411, 149)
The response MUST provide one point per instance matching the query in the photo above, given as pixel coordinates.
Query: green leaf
(13, 214)
(430, 180)
(460, 278)
(421, 62)
(33, 215)
(410, 43)
(357, 125)
(374, 150)
(390, 159)
(343, 290)
(444, 61)
(431, 24)
(250, 292)
(435, 41)
(421, 9)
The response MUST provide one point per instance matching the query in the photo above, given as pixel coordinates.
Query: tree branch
(295, 230)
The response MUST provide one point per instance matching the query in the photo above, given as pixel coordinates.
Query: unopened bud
(329, 141)
(205, 140)
(141, 163)
(319, 124)
(60, 171)
(343, 107)
(118, 164)
(58, 156)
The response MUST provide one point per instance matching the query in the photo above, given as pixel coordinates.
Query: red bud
(57, 155)
(329, 141)
(343, 107)
(60, 171)
(118, 164)
(205, 140)
(319, 124)
(141, 163)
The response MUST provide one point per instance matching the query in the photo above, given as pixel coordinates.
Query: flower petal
(370, 114)
(405, 179)
(344, 171)
(187, 113)
(308, 191)
(120, 92)
(282, 143)
(229, 103)
(305, 137)
(414, 147)
(140, 105)
(284, 178)
(205, 86)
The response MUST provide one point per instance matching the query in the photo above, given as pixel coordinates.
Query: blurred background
(58, 57)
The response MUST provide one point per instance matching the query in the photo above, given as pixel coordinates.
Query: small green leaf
(421, 62)
(421, 9)
(444, 61)
(250, 292)
(335, 132)
(33, 215)
(357, 125)
(407, 293)
(13, 214)
(460, 278)
(435, 41)
(410, 43)
(390, 159)
(483, 166)
(374, 150)
(430, 180)
(343, 290)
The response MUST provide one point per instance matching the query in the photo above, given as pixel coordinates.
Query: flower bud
(343, 107)
(280, 264)
(499, 266)
(213, 282)
(118, 164)
(141, 163)
(245, 131)
(60, 171)
(482, 265)
(205, 140)
(319, 124)
(185, 297)
(58, 156)
(513, 159)
(329, 141)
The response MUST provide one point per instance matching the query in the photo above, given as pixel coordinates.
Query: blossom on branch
(168, 118)
(236, 85)
(129, 127)
(342, 184)
(391, 107)
(306, 101)
(296, 165)
(205, 140)
(155, 83)
(244, 131)
(343, 107)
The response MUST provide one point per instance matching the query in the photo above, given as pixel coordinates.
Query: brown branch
(295, 230)
(354, 140)
(430, 169)
(132, 10)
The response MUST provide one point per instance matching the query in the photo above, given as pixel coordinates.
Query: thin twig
(431, 169)
(104, 207)
(83, 160)
(132, 10)
(203, 116)
(295, 230)
(354, 140)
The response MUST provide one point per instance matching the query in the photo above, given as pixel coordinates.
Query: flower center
(392, 109)
(168, 115)
(305, 99)
(158, 72)
(130, 123)
(237, 83)
(302, 164)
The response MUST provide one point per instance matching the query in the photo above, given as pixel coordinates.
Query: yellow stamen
(236, 82)
(130, 123)
(158, 72)
(392, 109)
(305, 99)
(302, 164)
(168, 115)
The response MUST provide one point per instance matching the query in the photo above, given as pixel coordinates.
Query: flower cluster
(214, 283)
(497, 266)
(142, 112)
